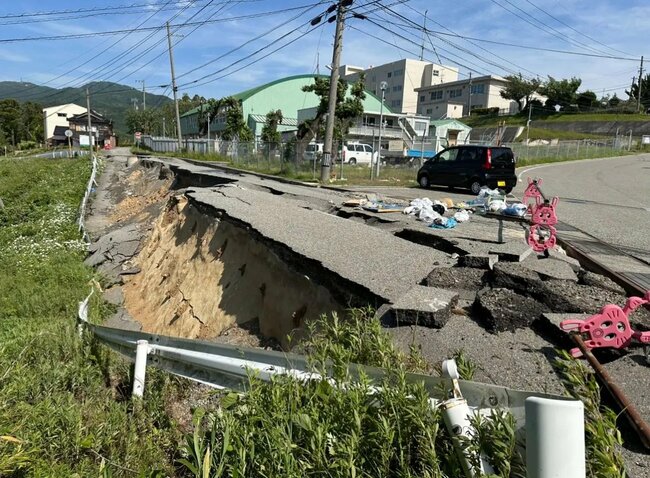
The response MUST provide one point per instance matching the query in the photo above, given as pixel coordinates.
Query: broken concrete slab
(479, 261)
(569, 297)
(463, 280)
(514, 276)
(520, 359)
(549, 268)
(114, 295)
(503, 309)
(597, 280)
(554, 320)
(512, 251)
(560, 256)
(426, 306)
(123, 320)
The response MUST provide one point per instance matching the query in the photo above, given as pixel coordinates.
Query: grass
(521, 119)
(64, 406)
(602, 438)
(337, 428)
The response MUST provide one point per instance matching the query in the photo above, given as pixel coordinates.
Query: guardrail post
(555, 438)
(139, 374)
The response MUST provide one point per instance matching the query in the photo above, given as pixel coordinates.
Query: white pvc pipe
(555, 438)
(140, 367)
(456, 414)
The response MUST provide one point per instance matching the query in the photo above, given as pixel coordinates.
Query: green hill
(109, 99)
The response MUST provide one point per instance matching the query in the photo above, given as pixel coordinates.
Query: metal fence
(291, 158)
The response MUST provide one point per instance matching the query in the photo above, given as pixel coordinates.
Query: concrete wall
(597, 127)
(403, 77)
(51, 118)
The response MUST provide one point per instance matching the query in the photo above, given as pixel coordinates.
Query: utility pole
(530, 111)
(208, 143)
(90, 127)
(424, 32)
(638, 96)
(334, 82)
(174, 89)
(144, 98)
(164, 133)
(469, 101)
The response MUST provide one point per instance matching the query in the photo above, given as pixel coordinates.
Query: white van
(357, 153)
(313, 151)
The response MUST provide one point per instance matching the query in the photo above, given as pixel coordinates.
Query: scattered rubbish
(444, 223)
(439, 208)
(495, 204)
(516, 210)
(423, 209)
(448, 202)
(354, 202)
(610, 327)
(381, 207)
(461, 216)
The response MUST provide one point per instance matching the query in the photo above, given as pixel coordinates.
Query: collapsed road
(199, 252)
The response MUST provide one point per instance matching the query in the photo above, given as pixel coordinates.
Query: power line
(556, 33)
(145, 29)
(518, 67)
(570, 27)
(199, 82)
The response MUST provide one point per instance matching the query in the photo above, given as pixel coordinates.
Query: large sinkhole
(202, 274)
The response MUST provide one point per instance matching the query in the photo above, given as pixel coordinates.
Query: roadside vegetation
(64, 406)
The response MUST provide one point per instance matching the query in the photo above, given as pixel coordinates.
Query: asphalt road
(607, 198)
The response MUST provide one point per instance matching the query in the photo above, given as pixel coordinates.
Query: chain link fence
(290, 158)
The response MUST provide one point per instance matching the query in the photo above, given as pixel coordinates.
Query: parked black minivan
(470, 167)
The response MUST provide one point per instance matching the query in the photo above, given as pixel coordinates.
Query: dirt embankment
(200, 275)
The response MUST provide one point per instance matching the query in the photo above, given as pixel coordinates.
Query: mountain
(109, 99)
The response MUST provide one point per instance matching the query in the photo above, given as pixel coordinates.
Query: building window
(436, 72)
(478, 89)
(436, 95)
(399, 72)
(389, 74)
(397, 88)
(61, 115)
(396, 103)
(422, 98)
(429, 111)
(456, 93)
(420, 126)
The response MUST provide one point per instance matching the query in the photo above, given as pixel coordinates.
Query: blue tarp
(416, 153)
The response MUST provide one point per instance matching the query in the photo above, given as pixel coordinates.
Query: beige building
(403, 77)
(455, 99)
(58, 116)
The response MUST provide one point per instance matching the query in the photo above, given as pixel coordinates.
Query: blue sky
(622, 25)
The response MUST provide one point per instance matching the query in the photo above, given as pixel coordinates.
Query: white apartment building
(403, 77)
(455, 99)
(58, 116)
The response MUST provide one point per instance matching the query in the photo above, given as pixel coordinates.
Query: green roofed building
(284, 94)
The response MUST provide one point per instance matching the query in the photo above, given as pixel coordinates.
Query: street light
(383, 85)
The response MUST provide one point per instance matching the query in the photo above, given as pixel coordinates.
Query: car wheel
(475, 185)
(424, 181)
(353, 161)
(508, 190)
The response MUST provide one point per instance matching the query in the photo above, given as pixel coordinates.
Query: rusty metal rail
(632, 414)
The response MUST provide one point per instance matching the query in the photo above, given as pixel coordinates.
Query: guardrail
(554, 435)
(84, 200)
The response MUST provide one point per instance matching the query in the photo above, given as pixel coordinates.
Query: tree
(145, 121)
(614, 101)
(31, 122)
(560, 92)
(10, 124)
(347, 109)
(587, 100)
(270, 133)
(519, 89)
(633, 93)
